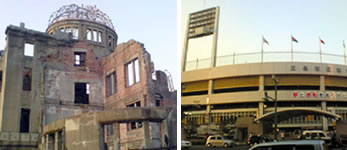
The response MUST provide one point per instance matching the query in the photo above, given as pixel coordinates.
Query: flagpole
(291, 49)
(262, 48)
(320, 50)
(344, 49)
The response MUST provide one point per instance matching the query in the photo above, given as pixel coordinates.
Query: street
(239, 147)
(197, 147)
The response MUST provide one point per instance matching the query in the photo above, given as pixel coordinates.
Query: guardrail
(258, 57)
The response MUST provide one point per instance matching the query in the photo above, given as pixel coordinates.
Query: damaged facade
(55, 97)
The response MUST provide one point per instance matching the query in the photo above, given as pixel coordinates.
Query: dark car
(256, 139)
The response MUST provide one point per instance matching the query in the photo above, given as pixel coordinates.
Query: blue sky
(150, 22)
(242, 23)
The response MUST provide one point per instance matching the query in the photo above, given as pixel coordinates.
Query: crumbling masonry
(74, 88)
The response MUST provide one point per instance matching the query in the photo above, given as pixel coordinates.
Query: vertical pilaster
(208, 106)
(324, 120)
(116, 136)
(324, 103)
(164, 133)
(261, 83)
(322, 83)
(207, 116)
(56, 142)
(260, 109)
(47, 142)
(147, 136)
(102, 136)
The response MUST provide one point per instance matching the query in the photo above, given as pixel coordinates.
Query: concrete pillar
(62, 139)
(50, 142)
(102, 137)
(116, 136)
(260, 109)
(56, 144)
(324, 103)
(47, 142)
(208, 106)
(324, 120)
(207, 116)
(261, 83)
(215, 37)
(322, 83)
(147, 135)
(164, 132)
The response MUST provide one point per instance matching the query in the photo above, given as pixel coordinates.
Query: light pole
(267, 98)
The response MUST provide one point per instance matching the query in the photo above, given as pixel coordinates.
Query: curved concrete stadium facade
(224, 94)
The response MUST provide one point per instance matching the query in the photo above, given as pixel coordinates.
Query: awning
(286, 113)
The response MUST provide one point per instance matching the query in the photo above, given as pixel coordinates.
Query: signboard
(309, 94)
(202, 23)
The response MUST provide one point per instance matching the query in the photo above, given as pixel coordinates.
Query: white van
(316, 135)
(292, 145)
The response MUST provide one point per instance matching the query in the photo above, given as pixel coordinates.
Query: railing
(258, 57)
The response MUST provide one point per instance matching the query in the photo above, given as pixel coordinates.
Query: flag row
(296, 41)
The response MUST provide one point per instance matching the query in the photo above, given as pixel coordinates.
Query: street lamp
(276, 80)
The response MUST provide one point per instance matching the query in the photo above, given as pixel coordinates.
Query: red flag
(321, 41)
(294, 40)
(265, 41)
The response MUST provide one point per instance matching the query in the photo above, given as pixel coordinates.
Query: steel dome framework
(88, 12)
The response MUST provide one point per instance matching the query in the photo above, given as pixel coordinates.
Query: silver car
(218, 141)
(292, 145)
(185, 144)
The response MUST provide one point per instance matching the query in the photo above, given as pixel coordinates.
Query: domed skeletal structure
(88, 12)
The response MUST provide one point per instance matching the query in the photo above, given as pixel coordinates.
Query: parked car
(256, 139)
(292, 145)
(185, 144)
(316, 135)
(218, 141)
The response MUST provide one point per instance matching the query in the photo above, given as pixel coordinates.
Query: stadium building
(225, 95)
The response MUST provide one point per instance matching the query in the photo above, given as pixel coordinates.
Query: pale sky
(243, 22)
(150, 22)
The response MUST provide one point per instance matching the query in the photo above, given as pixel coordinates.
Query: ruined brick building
(72, 87)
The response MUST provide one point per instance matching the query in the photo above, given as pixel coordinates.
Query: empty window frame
(108, 85)
(80, 58)
(68, 30)
(89, 34)
(114, 77)
(82, 93)
(109, 129)
(62, 30)
(28, 49)
(135, 124)
(111, 84)
(136, 104)
(132, 72)
(158, 100)
(24, 120)
(73, 31)
(109, 41)
(99, 37)
(95, 36)
(27, 74)
(0, 81)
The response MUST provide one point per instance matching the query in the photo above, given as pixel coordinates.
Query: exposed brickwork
(56, 79)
